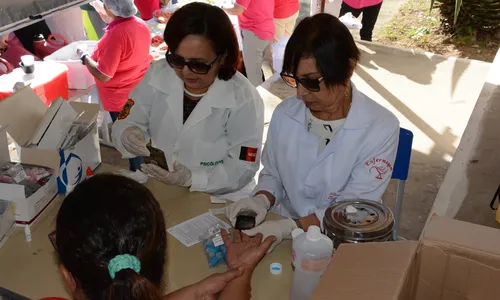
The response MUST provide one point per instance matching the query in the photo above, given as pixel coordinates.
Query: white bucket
(79, 78)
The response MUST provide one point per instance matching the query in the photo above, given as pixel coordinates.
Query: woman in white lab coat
(329, 143)
(207, 118)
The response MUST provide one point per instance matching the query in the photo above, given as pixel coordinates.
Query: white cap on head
(121, 8)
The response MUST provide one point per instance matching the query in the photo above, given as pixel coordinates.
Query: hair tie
(122, 262)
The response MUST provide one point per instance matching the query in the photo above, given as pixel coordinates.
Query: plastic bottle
(27, 233)
(312, 252)
(45, 48)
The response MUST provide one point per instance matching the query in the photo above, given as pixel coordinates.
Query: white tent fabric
(15, 14)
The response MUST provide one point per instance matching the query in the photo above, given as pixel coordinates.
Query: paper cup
(28, 60)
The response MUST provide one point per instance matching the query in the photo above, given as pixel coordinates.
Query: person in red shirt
(285, 17)
(147, 7)
(120, 59)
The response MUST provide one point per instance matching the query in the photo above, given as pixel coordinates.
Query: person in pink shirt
(285, 17)
(370, 10)
(256, 21)
(120, 59)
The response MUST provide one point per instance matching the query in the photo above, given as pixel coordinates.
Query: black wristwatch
(82, 58)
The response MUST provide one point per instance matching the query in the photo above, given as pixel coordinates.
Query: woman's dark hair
(106, 216)
(325, 38)
(211, 22)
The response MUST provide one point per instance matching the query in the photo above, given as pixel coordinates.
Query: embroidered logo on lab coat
(211, 163)
(248, 154)
(379, 167)
(126, 109)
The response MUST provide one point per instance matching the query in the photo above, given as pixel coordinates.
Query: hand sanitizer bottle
(312, 252)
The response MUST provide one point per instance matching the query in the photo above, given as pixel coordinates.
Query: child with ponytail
(111, 242)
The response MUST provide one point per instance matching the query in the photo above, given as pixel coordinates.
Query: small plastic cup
(27, 64)
(28, 60)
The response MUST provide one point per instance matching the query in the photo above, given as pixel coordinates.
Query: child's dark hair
(104, 217)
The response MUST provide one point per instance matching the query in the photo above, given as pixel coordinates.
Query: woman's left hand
(245, 252)
(180, 176)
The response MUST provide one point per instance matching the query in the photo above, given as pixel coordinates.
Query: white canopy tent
(16, 14)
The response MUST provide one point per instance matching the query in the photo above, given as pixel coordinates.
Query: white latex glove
(81, 50)
(134, 141)
(281, 229)
(259, 204)
(180, 176)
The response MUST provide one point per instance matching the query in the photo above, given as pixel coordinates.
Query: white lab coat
(306, 183)
(228, 118)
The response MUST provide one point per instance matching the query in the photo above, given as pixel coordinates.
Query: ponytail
(129, 285)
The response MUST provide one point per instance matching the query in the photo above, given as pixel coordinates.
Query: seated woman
(207, 118)
(329, 143)
(111, 243)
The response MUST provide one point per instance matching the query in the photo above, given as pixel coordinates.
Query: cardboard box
(29, 208)
(23, 112)
(56, 123)
(454, 260)
(7, 219)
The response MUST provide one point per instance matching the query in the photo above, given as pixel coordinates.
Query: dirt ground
(415, 27)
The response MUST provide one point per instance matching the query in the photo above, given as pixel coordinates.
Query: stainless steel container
(358, 221)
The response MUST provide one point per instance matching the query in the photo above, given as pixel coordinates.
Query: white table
(31, 269)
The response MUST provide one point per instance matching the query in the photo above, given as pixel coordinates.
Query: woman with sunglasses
(207, 118)
(329, 143)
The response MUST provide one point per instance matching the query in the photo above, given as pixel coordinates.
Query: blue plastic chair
(400, 172)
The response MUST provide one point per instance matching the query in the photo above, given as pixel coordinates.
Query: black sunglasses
(178, 62)
(308, 83)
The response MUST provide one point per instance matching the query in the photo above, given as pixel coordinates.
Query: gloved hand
(134, 141)
(259, 204)
(81, 50)
(180, 176)
(281, 229)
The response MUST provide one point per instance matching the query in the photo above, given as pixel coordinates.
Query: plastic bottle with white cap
(312, 252)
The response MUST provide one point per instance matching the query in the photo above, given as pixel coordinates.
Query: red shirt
(257, 18)
(147, 7)
(285, 8)
(123, 55)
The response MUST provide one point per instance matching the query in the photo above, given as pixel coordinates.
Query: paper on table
(192, 231)
(217, 200)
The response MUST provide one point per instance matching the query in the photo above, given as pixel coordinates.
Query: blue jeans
(136, 162)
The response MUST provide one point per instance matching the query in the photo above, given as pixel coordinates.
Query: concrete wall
(474, 173)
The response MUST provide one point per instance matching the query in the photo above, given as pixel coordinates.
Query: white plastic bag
(351, 22)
